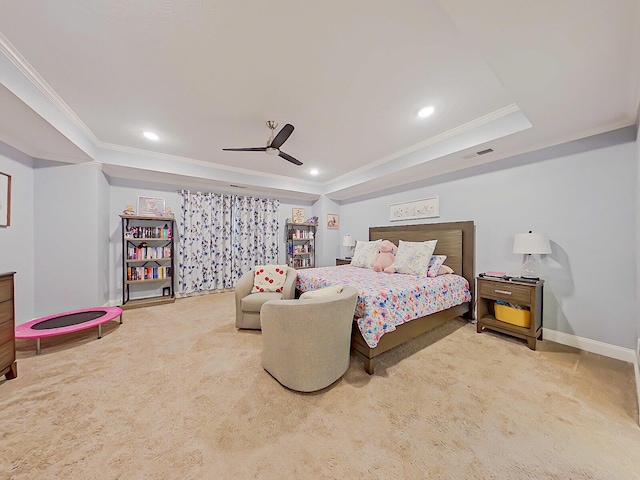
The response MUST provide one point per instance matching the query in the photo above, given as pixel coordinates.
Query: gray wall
(329, 240)
(586, 202)
(68, 253)
(637, 249)
(103, 240)
(16, 241)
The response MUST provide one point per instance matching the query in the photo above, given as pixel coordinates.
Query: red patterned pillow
(269, 278)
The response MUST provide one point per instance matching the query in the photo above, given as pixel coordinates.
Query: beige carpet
(177, 393)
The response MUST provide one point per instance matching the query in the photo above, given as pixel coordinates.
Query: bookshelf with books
(147, 261)
(301, 246)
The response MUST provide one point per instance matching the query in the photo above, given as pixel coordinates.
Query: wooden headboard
(456, 240)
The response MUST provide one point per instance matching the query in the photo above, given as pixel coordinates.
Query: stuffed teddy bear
(383, 260)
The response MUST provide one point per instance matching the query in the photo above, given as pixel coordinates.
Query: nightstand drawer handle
(503, 291)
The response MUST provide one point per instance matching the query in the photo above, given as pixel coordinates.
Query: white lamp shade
(531, 243)
(347, 241)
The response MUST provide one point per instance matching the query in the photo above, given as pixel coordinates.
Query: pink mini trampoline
(67, 322)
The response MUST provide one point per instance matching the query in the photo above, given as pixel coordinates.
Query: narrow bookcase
(147, 261)
(301, 245)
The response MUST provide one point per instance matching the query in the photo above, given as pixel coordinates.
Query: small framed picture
(5, 200)
(333, 221)
(298, 215)
(150, 207)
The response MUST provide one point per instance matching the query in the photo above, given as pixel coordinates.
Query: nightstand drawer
(507, 292)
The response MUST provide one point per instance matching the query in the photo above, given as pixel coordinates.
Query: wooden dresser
(8, 365)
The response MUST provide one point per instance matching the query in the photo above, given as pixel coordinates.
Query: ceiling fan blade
(248, 149)
(282, 136)
(286, 156)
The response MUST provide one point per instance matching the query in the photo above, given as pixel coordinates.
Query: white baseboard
(593, 346)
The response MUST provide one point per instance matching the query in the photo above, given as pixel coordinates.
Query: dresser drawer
(505, 291)
(6, 311)
(7, 354)
(6, 289)
(7, 331)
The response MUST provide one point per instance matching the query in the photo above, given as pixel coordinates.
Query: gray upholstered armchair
(248, 304)
(306, 343)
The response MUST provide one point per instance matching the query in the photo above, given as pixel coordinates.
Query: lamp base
(529, 268)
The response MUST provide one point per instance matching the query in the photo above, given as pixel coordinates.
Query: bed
(456, 240)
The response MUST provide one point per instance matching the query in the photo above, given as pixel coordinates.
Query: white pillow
(413, 258)
(269, 278)
(445, 270)
(322, 292)
(364, 253)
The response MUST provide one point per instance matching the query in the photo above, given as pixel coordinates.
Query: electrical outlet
(119, 284)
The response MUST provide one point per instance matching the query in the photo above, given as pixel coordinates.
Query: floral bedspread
(387, 300)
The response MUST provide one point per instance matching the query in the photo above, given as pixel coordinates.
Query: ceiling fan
(273, 144)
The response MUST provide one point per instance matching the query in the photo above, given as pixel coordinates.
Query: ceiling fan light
(272, 151)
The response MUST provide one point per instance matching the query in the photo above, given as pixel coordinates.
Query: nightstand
(343, 261)
(528, 296)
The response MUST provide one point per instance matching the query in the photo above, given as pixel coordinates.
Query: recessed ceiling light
(151, 135)
(425, 112)
(313, 171)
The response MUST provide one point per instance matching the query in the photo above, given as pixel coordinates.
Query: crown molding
(485, 119)
(7, 48)
(200, 163)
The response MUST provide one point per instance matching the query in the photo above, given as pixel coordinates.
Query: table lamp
(530, 244)
(348, 242)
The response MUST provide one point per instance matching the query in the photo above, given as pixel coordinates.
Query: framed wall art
(333, 221)
(425, 208)
(150, 207)
(297, 216)
(5, 200)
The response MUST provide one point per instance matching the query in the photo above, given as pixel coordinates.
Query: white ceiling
(82, 79)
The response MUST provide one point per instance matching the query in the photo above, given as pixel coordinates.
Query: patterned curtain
(255, 229)
(206, 242)
(223, 236)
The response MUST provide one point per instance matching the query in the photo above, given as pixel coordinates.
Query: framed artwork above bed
(425, 208)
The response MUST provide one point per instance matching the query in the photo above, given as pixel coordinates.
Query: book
(492, 273)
